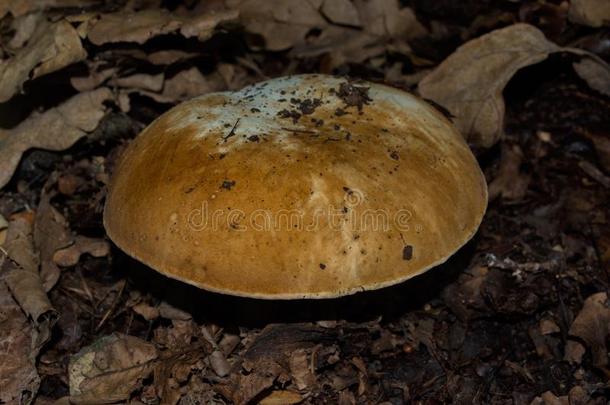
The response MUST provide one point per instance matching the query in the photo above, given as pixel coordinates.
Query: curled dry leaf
(592, 325)
(469, 83)
(594, 13)
(21, 338)
(51, 233)
(56, 129)
(22, 277)
(110, 369)
(52, 47)
(70, 255)
(142, 25)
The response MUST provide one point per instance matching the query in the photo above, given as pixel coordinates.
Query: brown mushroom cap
(306, 186)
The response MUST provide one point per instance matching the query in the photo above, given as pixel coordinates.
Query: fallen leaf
(70, 255)
(593, 13)
(282, 397)
(21, 7)
(140, 81)
(96, 77)
(110, 369)
(597, 75)
(341, 12)
(142, 25)
(185, 85)
(470, 82)
(510, 183)
(52, 47)
(24, 27)
(592, 325)
(219, 363)
(56, 129)
(20, 338)
(3, 229)
(51, 233)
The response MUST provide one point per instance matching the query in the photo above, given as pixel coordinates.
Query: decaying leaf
(21, 7)
(592, 325)
(52, 47)
(24, 27)
(3, 229)
(469, 83)
(56, 129)
(142, 25)
(26, 315)
(70, 255)
(594, 13)
(110, 369)
(51, 233)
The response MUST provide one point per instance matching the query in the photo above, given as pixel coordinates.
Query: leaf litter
(130, 335)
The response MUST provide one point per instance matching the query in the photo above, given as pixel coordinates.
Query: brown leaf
(21, 7)
(110, 369)
(140, 81)
(24, 27)
(185, 85)
(281, 397)
(142, 25)
(341, 12)
(51, 233)
(56, 129)
(20, 338)
(510, 183)
(592, 325)
(596, 74)
(469, 83)
(70, 255)
(593, 13)
(52, 47)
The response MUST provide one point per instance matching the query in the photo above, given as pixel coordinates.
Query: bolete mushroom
(306, 186)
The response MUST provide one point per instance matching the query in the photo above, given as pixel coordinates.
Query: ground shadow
(229, 311)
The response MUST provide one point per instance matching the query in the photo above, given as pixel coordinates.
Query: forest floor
(520, 315)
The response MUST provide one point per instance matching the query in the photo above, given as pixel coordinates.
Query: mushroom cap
(307, 186)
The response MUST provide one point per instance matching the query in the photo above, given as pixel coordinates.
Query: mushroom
(308, 186)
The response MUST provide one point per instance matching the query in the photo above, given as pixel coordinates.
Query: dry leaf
(281, 23)
(592, 325)
(510, 183)
(142, 25)
(341, 12)
(110, 369)
(22, 277)
(3, 229)
(219, 363)
(20, 338)
(594, 13)
(140, 81)
(282, 397)
(597, 75)
(95, 78)
(56, 129)
(24, 27)
(70, 255)
(186, 85)
(470, 82)
(51, 233)
(21, 7)
(52, 47)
